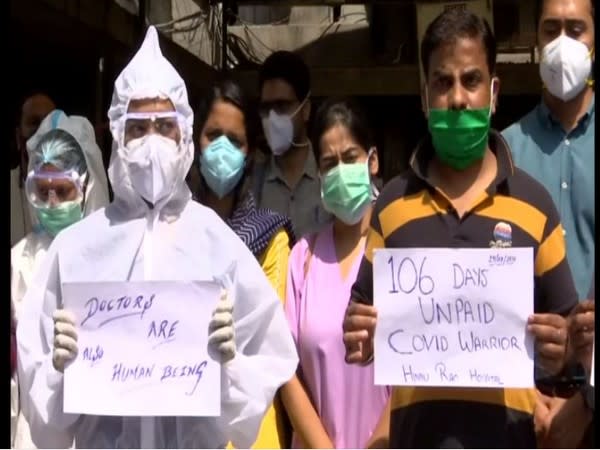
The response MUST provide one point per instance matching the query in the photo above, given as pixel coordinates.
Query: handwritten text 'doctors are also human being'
(142, 340)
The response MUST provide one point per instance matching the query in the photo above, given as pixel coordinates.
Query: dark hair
(14, 153)
(454, 23)
(539, 7)
(230, 92)
(290, 68)
(345, 112)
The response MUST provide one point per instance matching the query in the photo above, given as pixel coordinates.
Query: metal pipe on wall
(224, 20)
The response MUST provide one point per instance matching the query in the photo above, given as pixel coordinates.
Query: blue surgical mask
(222, 166)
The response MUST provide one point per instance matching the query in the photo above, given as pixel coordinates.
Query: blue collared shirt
(564, 164)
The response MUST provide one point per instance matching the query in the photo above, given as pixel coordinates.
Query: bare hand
(359, 329)
(581, 333)
(550, 332)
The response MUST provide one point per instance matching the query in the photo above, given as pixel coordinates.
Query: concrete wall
(266, 29)
(349, 42)
(200, 42)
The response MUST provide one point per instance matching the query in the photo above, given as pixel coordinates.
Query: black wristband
(565, 384)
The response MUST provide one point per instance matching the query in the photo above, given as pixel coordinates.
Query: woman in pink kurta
(322, 269)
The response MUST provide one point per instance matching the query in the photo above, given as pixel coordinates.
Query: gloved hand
(221, 335)
(65, 339)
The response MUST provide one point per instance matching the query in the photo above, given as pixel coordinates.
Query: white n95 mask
(565, 67)
(279, 131)
(153, 163)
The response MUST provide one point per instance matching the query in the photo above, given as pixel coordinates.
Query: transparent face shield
(46, 189)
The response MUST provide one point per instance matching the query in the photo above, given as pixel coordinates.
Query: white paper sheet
(142, 349)
(454, 317)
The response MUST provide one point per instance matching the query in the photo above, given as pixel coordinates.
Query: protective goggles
(136, 125)
(48, 189)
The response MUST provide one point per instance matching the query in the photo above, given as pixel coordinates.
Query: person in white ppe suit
(153, 231)
(63, 153)
(65, 182)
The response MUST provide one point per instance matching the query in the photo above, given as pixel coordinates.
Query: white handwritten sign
(454, 317)
(142, 349)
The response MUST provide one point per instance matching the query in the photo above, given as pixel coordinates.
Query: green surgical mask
(346, 191)
(460, 137)
(59, 217)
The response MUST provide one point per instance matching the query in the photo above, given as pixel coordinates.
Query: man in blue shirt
(569, 422)
(555, 142)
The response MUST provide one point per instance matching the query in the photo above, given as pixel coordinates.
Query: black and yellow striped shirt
(410, 212)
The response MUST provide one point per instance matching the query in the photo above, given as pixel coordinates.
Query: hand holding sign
(221, 337)
(550, 332)
(359, 330)
(581, 332)
(65, 339)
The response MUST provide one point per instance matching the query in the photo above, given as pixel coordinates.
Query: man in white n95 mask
(554, 142)
(65, 182)
(153, 231)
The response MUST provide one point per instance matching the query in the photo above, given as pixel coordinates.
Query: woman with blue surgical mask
(332, 404)
(226, 149)
(65, 181)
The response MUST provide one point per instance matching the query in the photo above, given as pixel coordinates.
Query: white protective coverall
(176, 240)
(19, 212)
(28, 254)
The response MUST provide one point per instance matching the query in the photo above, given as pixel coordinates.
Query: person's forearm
(568, 426)
(302, 414)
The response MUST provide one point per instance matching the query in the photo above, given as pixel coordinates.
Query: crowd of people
(290, 235)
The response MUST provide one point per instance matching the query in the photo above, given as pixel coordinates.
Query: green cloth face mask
(346, 191)
(460, 137)
(53, 220)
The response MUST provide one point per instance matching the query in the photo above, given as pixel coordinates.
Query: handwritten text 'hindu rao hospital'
(447, 317)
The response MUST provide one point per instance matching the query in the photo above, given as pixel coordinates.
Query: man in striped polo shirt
(463, 191)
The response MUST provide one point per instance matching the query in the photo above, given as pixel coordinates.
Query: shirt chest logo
(502, 236)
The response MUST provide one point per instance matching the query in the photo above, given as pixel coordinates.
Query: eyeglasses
(138, 125)
(44, 189)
